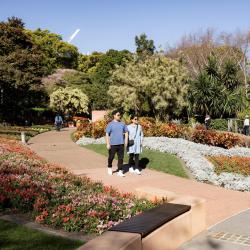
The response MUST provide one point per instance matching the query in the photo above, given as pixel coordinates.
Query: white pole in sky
(73, 36)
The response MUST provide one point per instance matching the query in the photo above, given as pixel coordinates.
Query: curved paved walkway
(57, 147)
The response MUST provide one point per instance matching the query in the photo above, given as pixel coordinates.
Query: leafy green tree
(21, 68)
(87, 63)
(157, 83)
(69, 101)
(144, 46)
(97, 69)
(107, 64)
(58, 54)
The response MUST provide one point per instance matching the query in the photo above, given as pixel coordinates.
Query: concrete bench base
(169, 236)
(114, 241)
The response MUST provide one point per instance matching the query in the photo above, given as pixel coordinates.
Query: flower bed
(14, 132)
(235, 164)
(56, 197)
(213, 138)
(171, 130)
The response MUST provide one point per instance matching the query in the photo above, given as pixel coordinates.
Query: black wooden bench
(152, 219)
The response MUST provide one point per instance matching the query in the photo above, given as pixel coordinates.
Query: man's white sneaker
(137, 171)
(131, 170)
(120, 173)
(110, 172)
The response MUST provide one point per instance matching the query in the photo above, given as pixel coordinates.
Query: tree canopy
(98, 69)
(21, 67)
(156, 84)
(57, 53)
(144, 46)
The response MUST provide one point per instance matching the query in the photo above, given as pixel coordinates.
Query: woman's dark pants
(134, 160)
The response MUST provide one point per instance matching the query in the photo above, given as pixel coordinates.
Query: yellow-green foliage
(157, 80)
(69, 100)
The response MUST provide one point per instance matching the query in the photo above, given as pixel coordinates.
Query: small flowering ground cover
(55, 197)
(13, 236)
(234, 164)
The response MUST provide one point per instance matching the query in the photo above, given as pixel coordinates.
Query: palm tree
(217, 90)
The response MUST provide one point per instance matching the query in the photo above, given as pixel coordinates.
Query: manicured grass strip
(16, 237)
(159, 161)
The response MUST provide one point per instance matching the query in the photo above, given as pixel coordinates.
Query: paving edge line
(228, 218)
(20, 220)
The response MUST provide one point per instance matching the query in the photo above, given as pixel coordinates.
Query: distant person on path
(207, 121)
(116, 140)
(134, 144)
(58, 122)
(246, 125)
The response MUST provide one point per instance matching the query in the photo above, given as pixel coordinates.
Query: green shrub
(219, 124)
(243, 113)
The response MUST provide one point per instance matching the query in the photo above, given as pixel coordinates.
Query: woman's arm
(141, 134)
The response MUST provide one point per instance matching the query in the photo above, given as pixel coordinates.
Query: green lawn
(15, 237)
(163, 162)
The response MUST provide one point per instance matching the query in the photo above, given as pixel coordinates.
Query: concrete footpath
(57, 147)
(231, 234)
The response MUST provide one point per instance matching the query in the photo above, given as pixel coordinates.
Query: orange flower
(65, 219)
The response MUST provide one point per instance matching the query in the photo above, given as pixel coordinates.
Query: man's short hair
(115, 112)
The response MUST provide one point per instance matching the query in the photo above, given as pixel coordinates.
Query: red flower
(65, 219)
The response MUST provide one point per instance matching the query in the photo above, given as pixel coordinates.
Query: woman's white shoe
(120, 173)
(137, 171)
(131, 170)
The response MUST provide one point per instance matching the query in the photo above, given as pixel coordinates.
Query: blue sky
(106, 24)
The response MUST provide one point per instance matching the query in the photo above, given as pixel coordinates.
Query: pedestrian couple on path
(119, 138)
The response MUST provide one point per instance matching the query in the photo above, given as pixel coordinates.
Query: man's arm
(108, 141)
(125, 131)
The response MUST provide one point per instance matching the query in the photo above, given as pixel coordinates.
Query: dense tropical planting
(55, 197)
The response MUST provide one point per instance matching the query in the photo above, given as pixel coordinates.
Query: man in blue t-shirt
(116, 139)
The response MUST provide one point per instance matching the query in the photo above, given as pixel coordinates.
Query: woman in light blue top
(135, 134)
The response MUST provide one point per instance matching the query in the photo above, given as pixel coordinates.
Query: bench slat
(152, 219)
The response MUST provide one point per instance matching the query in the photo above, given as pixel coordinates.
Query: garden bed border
(169, 236)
